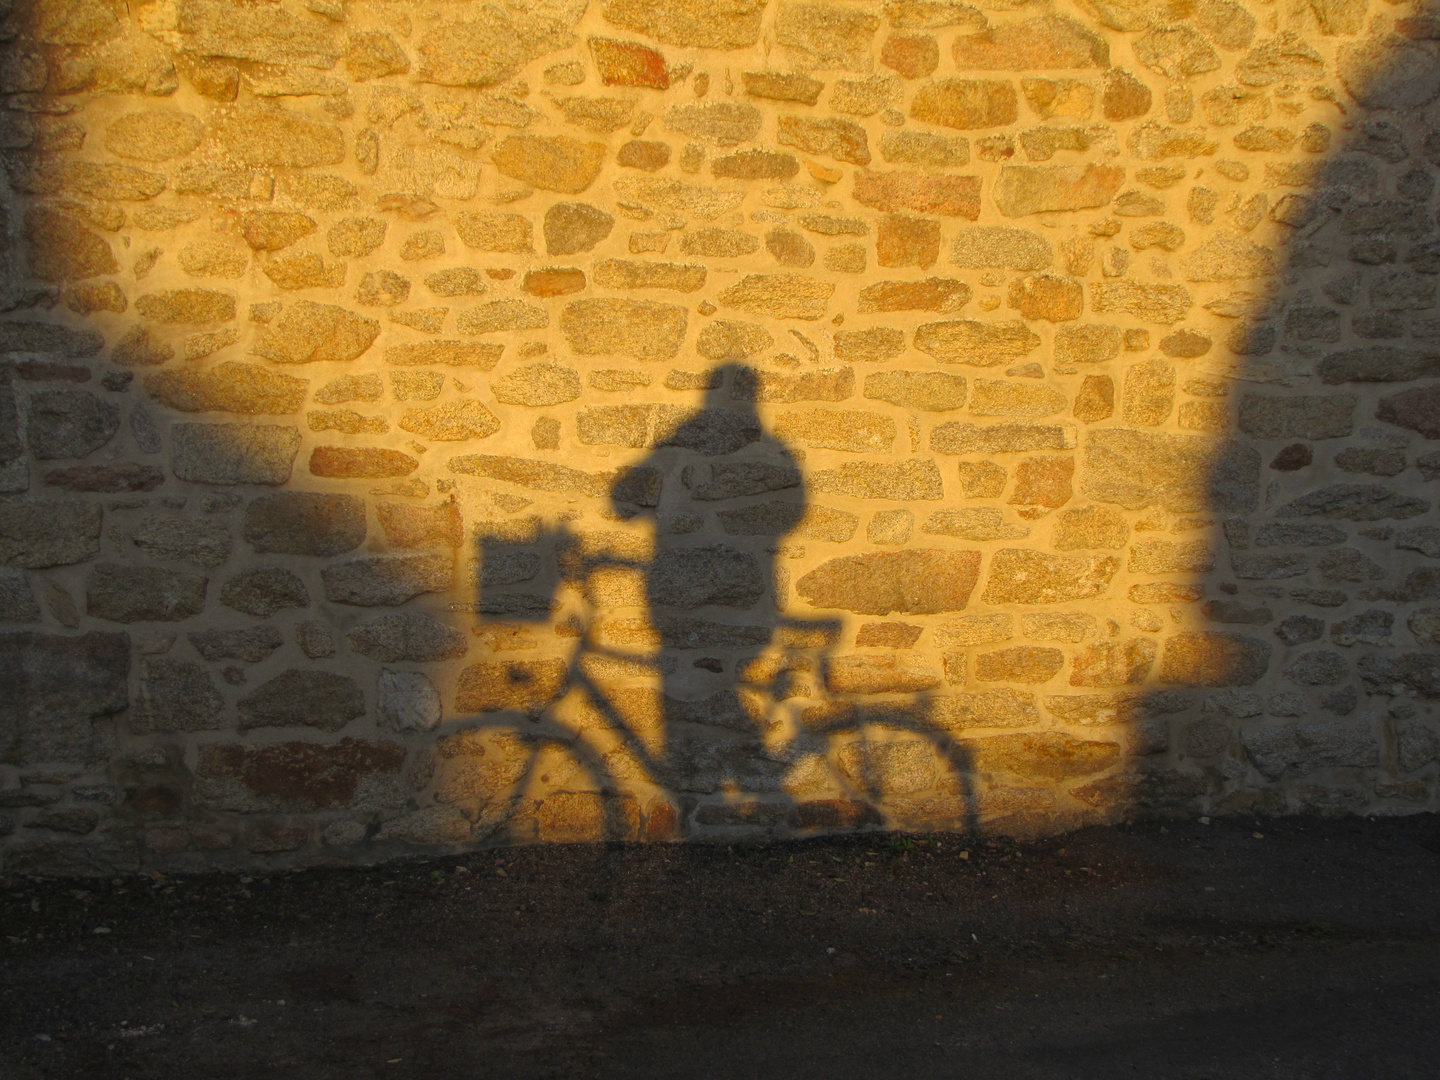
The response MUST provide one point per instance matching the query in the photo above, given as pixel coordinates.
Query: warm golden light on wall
(439, 426)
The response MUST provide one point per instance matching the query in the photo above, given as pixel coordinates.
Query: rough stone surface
(914, 582)
(129, 594)
(39, 533)
(1098, 346)
(302, 697)
(303, 523)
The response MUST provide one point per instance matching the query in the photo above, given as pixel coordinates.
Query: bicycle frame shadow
(611, 740)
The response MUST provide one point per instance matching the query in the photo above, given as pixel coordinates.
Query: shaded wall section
(437, 425)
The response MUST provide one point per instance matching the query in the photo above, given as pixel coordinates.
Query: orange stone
(628, 63)
(554, 281)
(351, 462)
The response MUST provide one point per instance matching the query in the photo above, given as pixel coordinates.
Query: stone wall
(440, 424)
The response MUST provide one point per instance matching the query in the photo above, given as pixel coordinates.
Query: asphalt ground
(1279, 948)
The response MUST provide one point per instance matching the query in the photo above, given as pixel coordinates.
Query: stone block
(1327, 416)
(229, 387)
(302, 697)
(527, 686)
(1020, 663)
(55, 688)
(143, 593)
(233, 453)
(1297, 749)
(1182, 473)
(39, 533)
(966, 104)
(407, 636)
(1214, 658)
(300, 777)
(968, 341)
(828, 429)
(925, 391)
(1023, 576)
(305, 523)
(644, 330)
(914, 581)
(386, 580)
(264, 591)
(179, 539)
(901, 481)
(1119, 663)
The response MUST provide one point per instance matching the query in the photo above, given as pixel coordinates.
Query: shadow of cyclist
(730, 494)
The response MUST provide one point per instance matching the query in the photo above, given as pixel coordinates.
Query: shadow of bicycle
(656, 687)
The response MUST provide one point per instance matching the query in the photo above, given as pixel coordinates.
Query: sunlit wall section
(430, 425)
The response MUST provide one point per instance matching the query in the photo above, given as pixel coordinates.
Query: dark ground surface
(1311, 951)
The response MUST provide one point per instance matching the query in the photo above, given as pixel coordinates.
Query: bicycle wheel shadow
(678, 695)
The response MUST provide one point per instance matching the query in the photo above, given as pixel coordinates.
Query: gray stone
(145, 429)
(1298, 629)
(1422, 538)
(1349, 564)
(711, 432)
(386, 580)
(1355, 502)
(143, 593)
(69, 424)
(234, 453)
(54, 688)
(1206, 738)
(1236, 612)
(36, 533)
(305, 523)
(1298, 534)
(1325, 416)
(1367, 628)
(916, 581)
(696, 577)
(1378, 363)
(38, 337)
(1376, 461)
(1319, 668)
(1416, 744)
(1420, 584)
(1256, 567)
(252, 644)
(318, 699)
(1297, 749)
(177, 539)
(408, 701)
(1412, 673)
(264, 591)
(176, 695)
(315, 639)
(732, 479)
(17, 601)
(407, 636)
